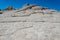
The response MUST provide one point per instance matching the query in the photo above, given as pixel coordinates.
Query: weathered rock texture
(30, 24)
(9, 8)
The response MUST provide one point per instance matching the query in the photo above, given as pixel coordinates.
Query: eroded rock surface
(30, 24)
(9, 8)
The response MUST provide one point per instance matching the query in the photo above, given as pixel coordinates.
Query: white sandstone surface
(30, 25)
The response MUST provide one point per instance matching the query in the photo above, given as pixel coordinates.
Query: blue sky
(53, 4)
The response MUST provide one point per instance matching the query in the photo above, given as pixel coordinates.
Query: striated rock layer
(30, 24)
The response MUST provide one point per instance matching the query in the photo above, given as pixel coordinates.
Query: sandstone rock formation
(1, 11)
(9, 8)
(30, 24)
(33, 6)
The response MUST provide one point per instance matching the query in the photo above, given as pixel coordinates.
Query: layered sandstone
(35, 23)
